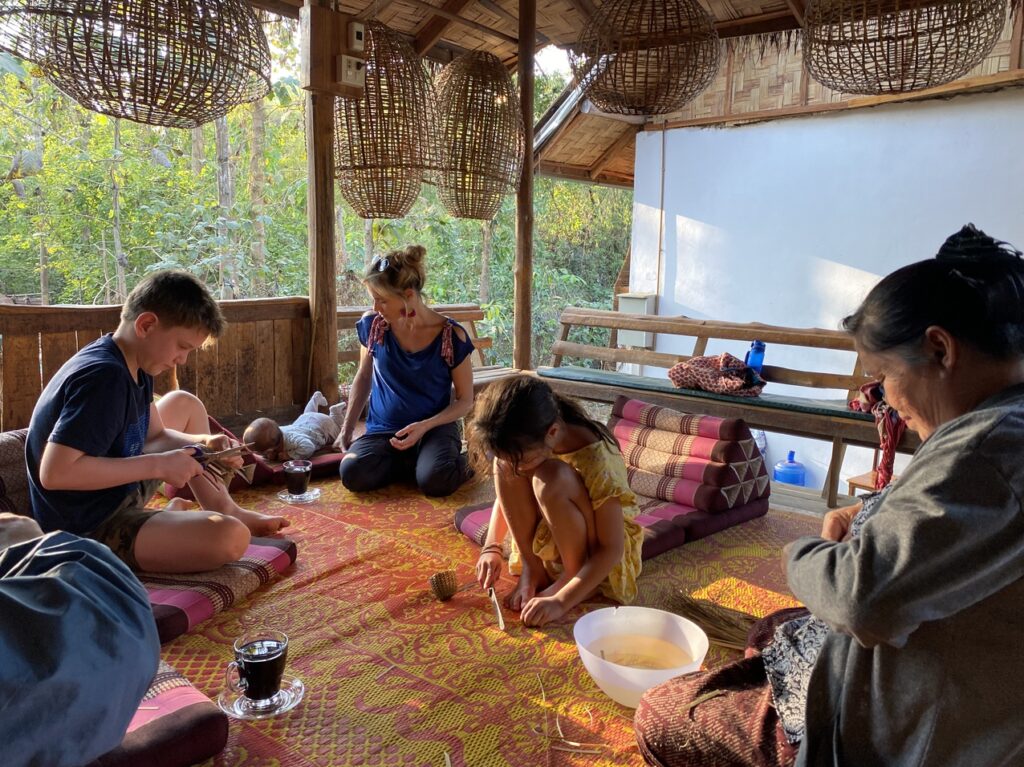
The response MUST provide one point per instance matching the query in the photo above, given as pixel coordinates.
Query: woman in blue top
(411, 358)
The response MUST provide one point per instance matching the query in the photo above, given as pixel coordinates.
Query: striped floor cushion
(696, 494)
(666, 419)
(687, 445)
(176, 725)
(182, 601)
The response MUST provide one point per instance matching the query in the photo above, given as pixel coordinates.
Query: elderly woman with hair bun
(412, 361)
(910, 652)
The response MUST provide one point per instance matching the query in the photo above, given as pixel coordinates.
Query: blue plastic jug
(790, 471)
(755, 355)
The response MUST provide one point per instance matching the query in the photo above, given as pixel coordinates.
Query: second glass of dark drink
(296, 475)
(260, 658)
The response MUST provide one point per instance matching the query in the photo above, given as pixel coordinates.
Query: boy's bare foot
(180, 504)
(260, 524)
(531, 579)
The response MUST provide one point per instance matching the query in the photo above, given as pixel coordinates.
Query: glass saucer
(307, 497)
(240, 707)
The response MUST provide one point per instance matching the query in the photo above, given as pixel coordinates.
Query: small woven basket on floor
(479, 135)
(893, 46)
(646, 57)
(176, 63)
(383, 143)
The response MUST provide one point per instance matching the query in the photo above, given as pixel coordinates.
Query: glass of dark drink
(296, 478)
(257, 686)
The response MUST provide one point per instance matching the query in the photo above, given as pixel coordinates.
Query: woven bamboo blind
(177, 63)
(894, 46)
(479, 134)
(646, 57)
(384, 142)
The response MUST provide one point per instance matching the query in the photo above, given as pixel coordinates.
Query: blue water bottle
(755, 355)
(790, 471)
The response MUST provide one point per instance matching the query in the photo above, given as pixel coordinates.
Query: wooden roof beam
(431, 32)
(799, 10)
(280, 7)
(609, 154)
(373, 10)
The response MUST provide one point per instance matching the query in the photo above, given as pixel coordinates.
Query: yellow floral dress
(604, 474)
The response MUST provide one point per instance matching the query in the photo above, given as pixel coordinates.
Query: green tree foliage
(59, 165)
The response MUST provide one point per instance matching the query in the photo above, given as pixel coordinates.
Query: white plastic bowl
(625, 684)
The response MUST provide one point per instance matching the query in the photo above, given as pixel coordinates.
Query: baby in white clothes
(311, 431)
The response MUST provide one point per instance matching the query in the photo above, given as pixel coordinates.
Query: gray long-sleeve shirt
(924, 665)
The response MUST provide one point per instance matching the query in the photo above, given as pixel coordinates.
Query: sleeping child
(311, 431)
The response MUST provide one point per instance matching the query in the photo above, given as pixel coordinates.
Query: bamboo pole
(323, 299)
(523, 314)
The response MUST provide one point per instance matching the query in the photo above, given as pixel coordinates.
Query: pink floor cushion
(176, 725)
(666, 419)
(181, 601)
(628, 433)
(667, 525)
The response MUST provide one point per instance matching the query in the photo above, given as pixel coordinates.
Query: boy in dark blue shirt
(98, 446)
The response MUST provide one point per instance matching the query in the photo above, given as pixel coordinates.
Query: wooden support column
(523, 307)
(323, 294)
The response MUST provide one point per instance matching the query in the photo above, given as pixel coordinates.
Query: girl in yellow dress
(562, 493)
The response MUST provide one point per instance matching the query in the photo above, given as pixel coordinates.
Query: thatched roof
(761, 76)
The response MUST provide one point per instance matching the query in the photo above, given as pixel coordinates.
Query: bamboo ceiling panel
(585, 141)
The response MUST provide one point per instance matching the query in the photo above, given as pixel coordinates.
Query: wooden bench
(829, 419)
(466, 315)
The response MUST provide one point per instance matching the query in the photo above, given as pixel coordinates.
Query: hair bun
(972, 244)
(414, 254)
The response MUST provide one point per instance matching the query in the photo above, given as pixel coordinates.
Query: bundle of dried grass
(724, 626)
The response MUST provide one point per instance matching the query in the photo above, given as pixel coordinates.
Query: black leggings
(436, 463)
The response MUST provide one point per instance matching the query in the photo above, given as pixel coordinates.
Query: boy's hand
(177, 467)
(344, 441)
(218, 442)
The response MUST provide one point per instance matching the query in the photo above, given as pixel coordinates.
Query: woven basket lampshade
(23, 28)
(383, 143)
(896, 46)
(480, 135)
(177, 63)
(646, 57)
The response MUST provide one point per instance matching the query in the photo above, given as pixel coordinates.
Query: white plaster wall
(791, 222)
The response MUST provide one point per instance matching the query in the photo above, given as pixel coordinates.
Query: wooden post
(323, 298)
(523, 311)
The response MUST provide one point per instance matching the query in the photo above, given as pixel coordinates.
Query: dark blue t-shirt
(92, 404)
(409, 387)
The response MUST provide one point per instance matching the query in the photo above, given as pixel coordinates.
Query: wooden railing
(259, 364)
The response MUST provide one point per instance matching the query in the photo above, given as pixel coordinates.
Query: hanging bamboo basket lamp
(177, 63)
(895, 46)
(646, 57)
(480, 135)
(23, 28)
(384, 140)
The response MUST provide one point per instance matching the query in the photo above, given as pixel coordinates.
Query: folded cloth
(890, 427)
(723, 374)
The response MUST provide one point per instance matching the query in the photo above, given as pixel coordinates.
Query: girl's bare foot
(531, 579)
(180, 504)
(555, 587)
(260, 524)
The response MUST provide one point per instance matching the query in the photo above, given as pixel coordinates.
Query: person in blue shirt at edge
(98, 446)
(78, 642)
(411, 359)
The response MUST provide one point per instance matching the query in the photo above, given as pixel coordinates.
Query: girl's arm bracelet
(496, 547)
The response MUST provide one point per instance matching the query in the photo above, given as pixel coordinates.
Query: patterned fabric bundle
(723, 374)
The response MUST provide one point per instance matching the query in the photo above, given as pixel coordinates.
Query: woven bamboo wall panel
(750, 81)
(586, 141)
